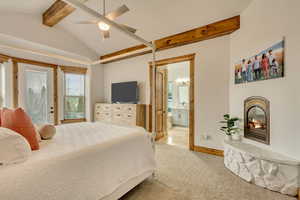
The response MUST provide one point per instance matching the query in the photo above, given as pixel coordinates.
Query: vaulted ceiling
(154, 19)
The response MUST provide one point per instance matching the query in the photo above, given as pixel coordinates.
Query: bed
(84, 161)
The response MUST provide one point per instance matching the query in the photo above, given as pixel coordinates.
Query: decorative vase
(236, 137)
(228, 138)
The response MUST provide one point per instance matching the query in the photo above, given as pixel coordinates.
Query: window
(74, 100)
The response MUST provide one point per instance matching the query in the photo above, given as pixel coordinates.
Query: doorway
(174, 112)
(36, 92)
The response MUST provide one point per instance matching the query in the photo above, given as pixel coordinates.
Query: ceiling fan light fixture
(102, 26)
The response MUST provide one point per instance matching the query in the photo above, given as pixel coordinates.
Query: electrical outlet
(205, 136)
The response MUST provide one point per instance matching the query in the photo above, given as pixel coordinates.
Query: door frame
(191, 59)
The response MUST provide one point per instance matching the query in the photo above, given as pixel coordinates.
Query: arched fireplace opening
(257, 119)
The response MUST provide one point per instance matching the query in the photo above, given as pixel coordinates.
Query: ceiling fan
(103, 27)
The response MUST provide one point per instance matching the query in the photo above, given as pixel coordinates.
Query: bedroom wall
(96, 86)
(211, 83)
(262, 24)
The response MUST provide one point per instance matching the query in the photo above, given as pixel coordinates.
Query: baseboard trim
(211, 151)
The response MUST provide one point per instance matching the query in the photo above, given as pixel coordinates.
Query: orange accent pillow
(18, 121)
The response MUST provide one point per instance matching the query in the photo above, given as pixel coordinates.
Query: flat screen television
(125, 92)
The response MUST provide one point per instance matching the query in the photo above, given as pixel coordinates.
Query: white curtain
(2, 85)
(36, 96)
(6, 84)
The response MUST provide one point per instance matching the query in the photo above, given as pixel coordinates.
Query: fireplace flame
(256, 124)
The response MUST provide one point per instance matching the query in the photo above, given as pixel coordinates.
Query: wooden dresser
(123, 114)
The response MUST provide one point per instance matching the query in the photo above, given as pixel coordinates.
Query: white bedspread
(84, 161)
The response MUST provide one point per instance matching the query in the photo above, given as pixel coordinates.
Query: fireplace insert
(257, 119)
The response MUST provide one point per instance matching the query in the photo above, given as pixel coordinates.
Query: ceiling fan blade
(132, 30)
(105, 34)
(88, 22)
(116, 13)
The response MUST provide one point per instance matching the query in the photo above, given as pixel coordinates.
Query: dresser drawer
(129, 109)
(117, 108)
(117, 116)
(129, 116)
(122, 114)
(130, 121)
(103, 107)
(103, 116)
(97, 107)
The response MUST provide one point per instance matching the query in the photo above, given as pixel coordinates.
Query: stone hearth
(263, 168)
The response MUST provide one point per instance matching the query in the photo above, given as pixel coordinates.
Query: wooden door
(161, 102)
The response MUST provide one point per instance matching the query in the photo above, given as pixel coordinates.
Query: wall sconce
(183, 81)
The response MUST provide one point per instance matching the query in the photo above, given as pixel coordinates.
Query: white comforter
(84, 161)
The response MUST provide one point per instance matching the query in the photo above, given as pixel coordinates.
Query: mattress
(84, 161)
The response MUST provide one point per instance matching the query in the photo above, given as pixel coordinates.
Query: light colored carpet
(185, 175)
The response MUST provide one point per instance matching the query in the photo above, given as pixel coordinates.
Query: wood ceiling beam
(57, 11)
(3, 58)
(210, 31)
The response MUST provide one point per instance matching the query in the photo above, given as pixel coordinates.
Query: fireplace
(257, 119)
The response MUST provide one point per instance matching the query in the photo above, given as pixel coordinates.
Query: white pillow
(14, 148)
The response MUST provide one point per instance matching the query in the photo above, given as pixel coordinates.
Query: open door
(161, 102)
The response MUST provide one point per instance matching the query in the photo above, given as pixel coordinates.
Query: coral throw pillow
(18, 121)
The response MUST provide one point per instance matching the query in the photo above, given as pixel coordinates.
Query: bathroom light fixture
(183, 80)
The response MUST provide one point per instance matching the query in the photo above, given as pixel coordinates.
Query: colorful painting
(268, 64)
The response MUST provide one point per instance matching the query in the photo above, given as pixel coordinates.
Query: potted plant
(230, 128)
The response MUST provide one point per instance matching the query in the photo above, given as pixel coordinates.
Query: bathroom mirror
(183, 95)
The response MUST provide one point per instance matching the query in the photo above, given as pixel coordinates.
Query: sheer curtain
(2, 85)
(6, 84)
(36, 96)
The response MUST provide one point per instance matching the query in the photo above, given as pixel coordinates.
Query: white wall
(211, 83)
(262, 24)
(96, 86)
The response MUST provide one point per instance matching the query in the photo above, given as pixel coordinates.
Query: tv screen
(126, 92)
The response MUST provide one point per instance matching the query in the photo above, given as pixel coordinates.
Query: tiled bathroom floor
(178, 136)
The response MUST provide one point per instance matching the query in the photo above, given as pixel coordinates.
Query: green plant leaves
(230, 122)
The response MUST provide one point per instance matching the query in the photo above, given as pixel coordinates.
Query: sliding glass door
(36, 92)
